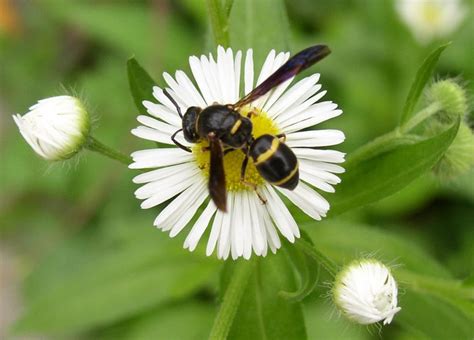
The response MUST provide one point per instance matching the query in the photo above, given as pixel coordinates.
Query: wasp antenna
(166, 93)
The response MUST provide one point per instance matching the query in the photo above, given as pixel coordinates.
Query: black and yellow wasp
(224, 127)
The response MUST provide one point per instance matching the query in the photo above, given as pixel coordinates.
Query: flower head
(366, 292)
(250, 224)
(431, 19)
(56, 128)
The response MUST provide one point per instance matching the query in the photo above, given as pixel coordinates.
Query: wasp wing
(291, 68)
(217, 186)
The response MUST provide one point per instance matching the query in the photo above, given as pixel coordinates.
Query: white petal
(280, 215)
(165, 194)
(277, 62)
(237, 64)
(238, 226)
(201, 80)
(323, 175)
(291, 96)
(214, 73)
(272, 236)
(323, 166)
(189, 88)
(223, 245)
(316, 181)
(174, 210)
(267, 67)
(315, 138)
(257, 237)
(247, 231)
(154, 158)
(330, 156)
(311, 122)
(248, 79)
(215, 232)
(308, 200)
(200, 226)
(160, 96)
(189, 210)
(164, 113)
(157, 174)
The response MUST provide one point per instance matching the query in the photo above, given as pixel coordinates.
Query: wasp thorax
(261, 124)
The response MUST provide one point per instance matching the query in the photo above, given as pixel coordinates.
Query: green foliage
(422, 76)
(371, 178)
(249, 29)
(277, 317)
(112, 278)
(141, 84)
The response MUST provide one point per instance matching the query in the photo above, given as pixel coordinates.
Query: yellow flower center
(262, 124)
(431, 13)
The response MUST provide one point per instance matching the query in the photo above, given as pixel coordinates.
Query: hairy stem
(94, 145)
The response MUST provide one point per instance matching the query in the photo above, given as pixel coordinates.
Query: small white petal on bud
(366, 292)
(56, 128)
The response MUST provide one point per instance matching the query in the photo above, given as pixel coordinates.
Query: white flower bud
(56, 128)
(366, 292)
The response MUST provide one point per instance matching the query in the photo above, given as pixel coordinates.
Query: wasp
(227, 130)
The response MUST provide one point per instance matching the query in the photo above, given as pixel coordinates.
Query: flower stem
(393, 138)
(326, 262)
(94, 145)
(231, 300)
(420, 117)
(219, 21)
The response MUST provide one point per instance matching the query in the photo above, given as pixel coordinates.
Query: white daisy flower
(431, 19)
(366, 292)
(180, 178)
(56, 128)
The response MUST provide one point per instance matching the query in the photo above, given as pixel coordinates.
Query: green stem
(219, 22)
(394, 138)
(420, 117)
(94, 145)
(330, 266)
(231, 300)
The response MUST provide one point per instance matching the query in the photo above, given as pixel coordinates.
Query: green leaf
(262, 313)
(141, 84)
(342, 240)
(187, 320)
(422, 77)
(97, 279)
(307, 268)
(369, 180)
(259, 24)
(432, 318)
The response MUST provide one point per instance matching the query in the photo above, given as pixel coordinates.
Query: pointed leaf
(422, 77)
(382, 175)
(141, 84)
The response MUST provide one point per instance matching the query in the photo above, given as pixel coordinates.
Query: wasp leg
(226, 151)
(282, 137)
(251, 185)
(173, 102)
(252, 113)
(178, 144)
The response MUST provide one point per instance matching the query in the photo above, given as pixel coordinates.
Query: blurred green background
(80, 259)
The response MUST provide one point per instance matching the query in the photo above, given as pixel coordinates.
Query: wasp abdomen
(275, 161)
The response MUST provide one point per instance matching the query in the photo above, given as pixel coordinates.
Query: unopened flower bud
(366, 292)
(452, 98)
(56, 128)
(459, 157)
